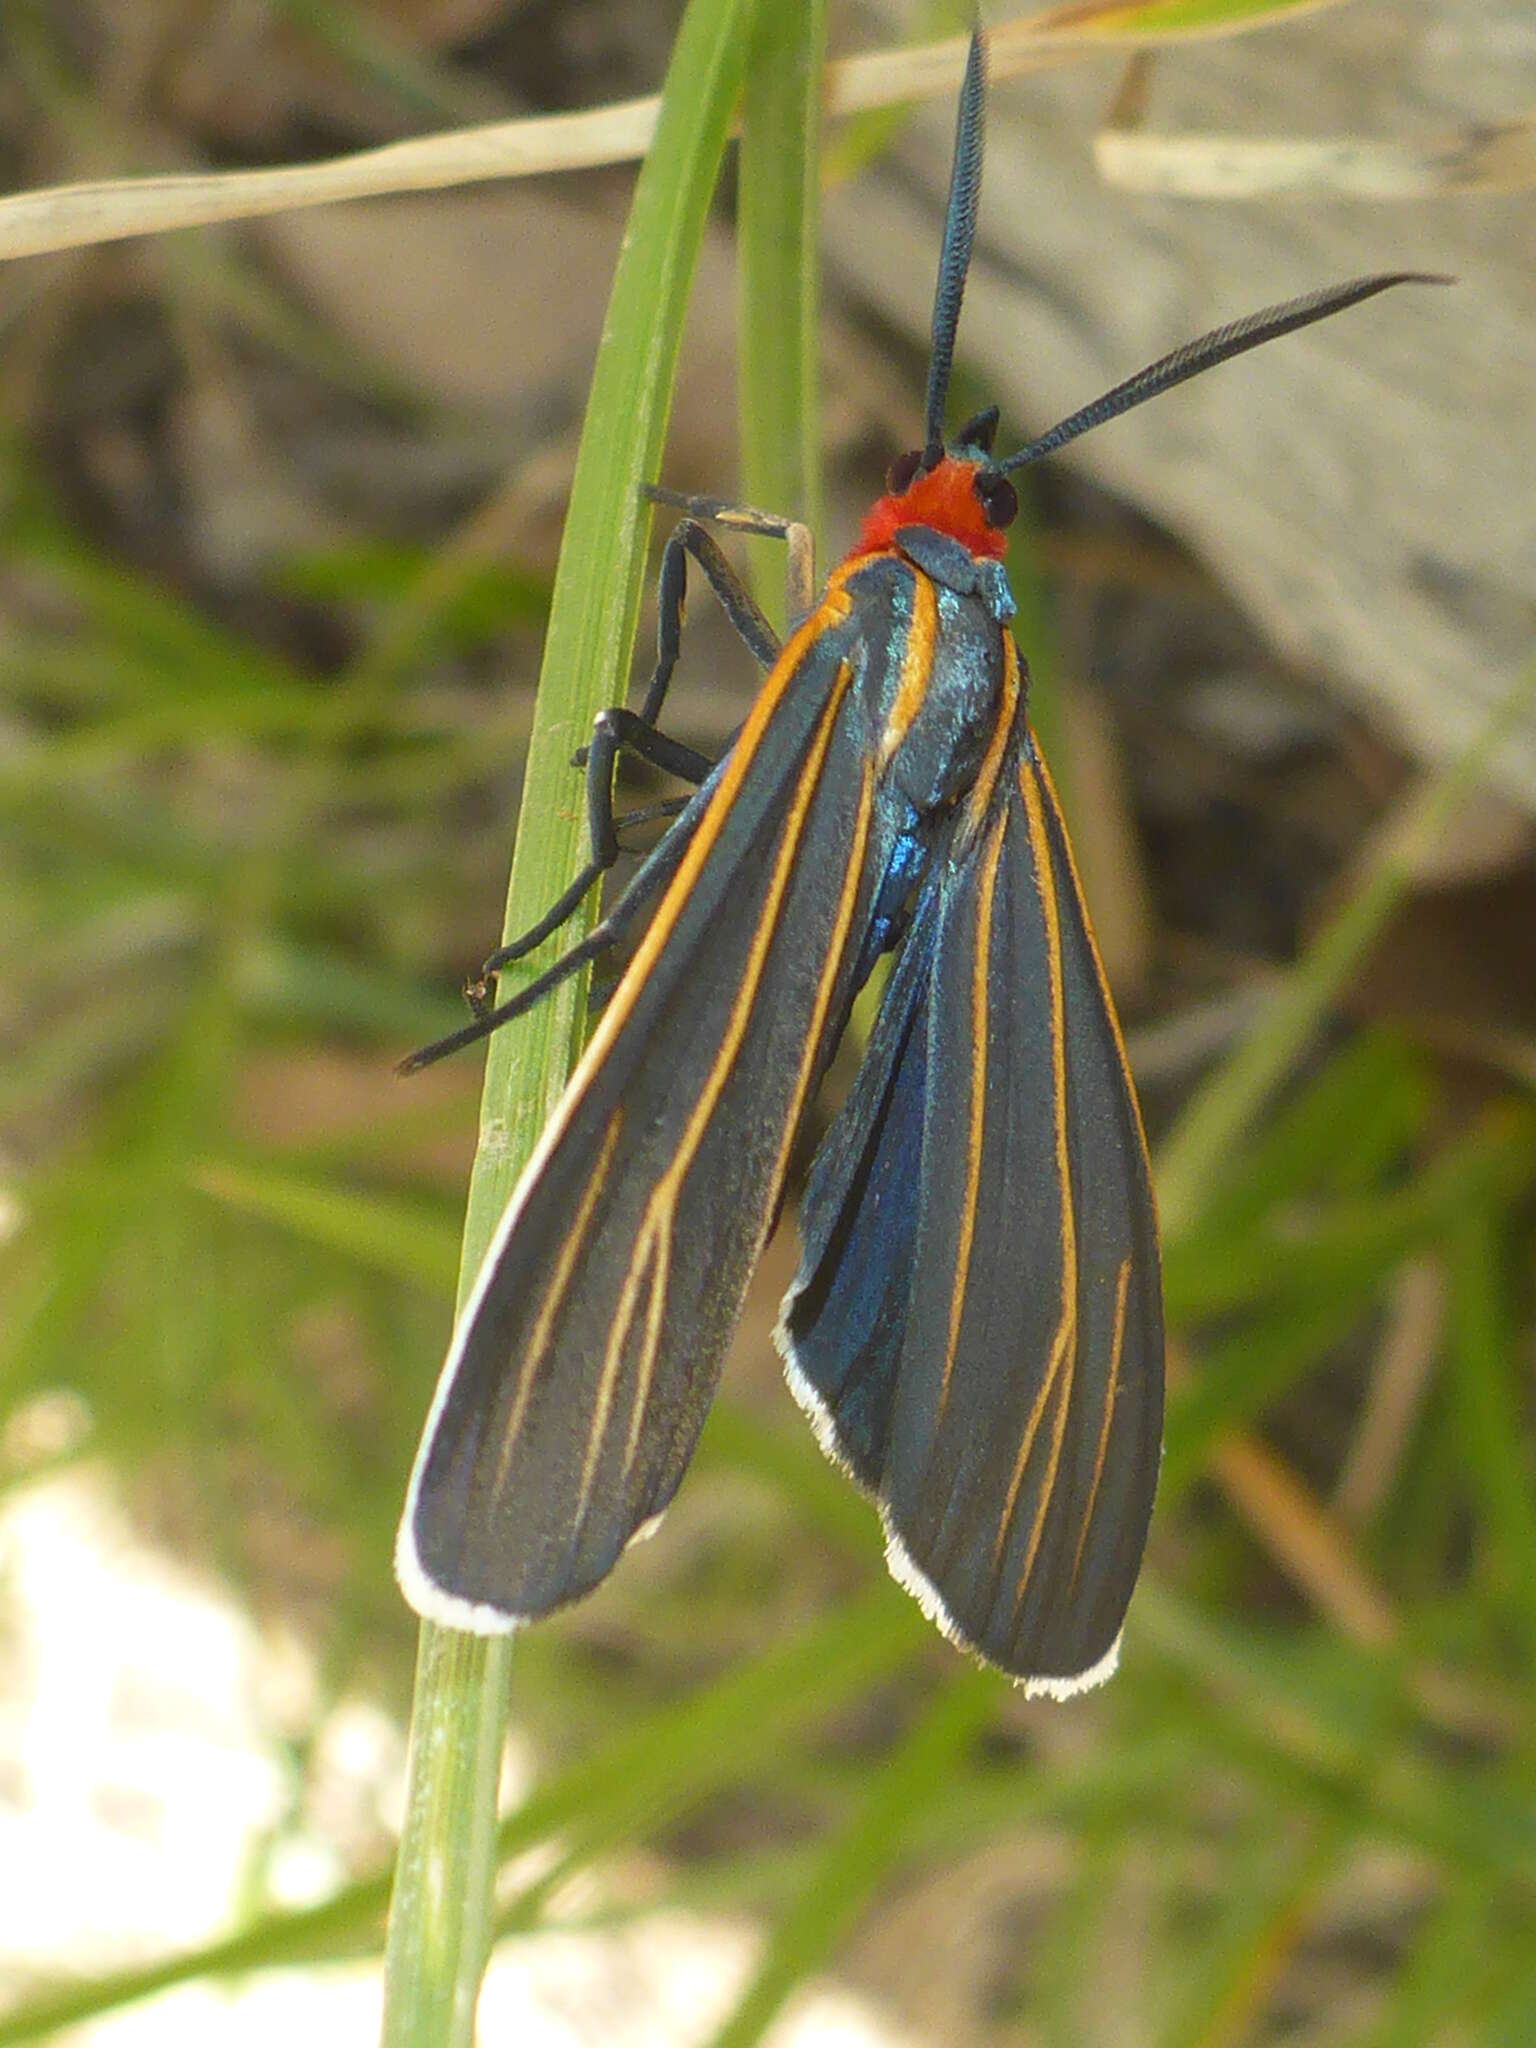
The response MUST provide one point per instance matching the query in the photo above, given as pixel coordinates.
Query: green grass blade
(1193, 1157)
(387, 1235)
(1178, 18)
(1240, 1377)
(1512, 2024)
(1374, 1088)
(778, 251)
(730, 1733)
(664, 1765)
(1484, 1354)
(1228, 1981)
(439, 1917)
(343, 1924)
(1448, 1960)
(858, 1858)
(1302, 1257)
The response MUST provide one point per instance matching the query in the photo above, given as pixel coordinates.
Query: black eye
(999, 500)
(904, 469)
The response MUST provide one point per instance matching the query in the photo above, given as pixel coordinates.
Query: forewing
(1003, 1391)
(586, 1357)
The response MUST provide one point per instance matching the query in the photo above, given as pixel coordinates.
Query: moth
(975, 1330)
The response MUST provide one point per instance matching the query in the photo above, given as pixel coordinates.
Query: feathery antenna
(959, 233)
(1216, 347)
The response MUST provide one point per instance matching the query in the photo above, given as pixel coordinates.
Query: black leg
(604, 828)
(614, 729)
(690, 538)
(687, 538)
(647, 814)
(656, 873)
(801, 594)
(618, 728)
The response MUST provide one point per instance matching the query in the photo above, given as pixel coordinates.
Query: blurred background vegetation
(278, 512)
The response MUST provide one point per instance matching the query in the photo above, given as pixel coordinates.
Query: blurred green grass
(227, 885)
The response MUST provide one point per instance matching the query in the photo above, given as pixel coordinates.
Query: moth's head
(954, 489)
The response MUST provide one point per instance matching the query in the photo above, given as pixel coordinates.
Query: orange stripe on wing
(1064, 1347)
(538, 1341)
(979, 801)
(833, 609)
(977, 1119)
(1048, 789)
(916, 666)
(847, 903)
(1116, 1346)
(656, 1225)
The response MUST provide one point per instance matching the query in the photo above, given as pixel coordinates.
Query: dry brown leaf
(103, 210)
(1500, 157)
(1399, 1381)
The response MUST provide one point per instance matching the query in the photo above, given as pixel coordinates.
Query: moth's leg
(638, 732)
(800, 581)
(657, 871)
(605, 829)
(617, 729)
(687, 538)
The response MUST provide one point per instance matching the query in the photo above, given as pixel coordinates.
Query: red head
(958, 496)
